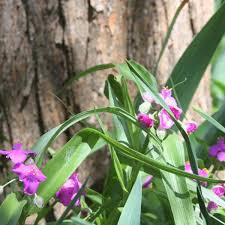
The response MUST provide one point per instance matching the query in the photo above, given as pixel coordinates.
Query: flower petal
(3, 152)
(212, 206)
(30, 186)
(221, 156)
(165, 121)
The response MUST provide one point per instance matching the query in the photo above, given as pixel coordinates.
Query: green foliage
(196, 58)
(10, 210)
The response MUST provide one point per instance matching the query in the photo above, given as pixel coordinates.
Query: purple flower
(30, 175)
(17, 154)
(212, 206)
(147, 181)
(165, 121)
(145, 119)
(219, 190)
(191, 127)
(69, 189)
(218, 150)
(147, 97)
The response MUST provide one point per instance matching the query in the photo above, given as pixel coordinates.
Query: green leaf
(10, 210)
(93, 196)
(176, 187)
(148, 162)
(211, 120)
(115, 160)
(132, 210)
(47, 139)
(197, 56)
(84, 73)
(61, 167)
(208, 132)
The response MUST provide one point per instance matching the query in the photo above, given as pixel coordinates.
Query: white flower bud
(38, 201)
(145, 107)
(161, 134)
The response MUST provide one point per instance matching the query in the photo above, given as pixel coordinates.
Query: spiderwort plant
(149, 142)
(146, 146)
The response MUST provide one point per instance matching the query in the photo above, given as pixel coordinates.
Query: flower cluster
(218, 150)
(219, 190)
(161, 116)
(69, 189)
(29, 174)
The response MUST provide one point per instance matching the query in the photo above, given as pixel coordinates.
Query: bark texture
(42, 43)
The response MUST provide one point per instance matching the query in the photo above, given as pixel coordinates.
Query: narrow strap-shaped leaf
(149, 162)
(131, 214)
(211, 120)
(197, 56)
(46, 140)
(176, 187)
(84, 73)
(10, 210)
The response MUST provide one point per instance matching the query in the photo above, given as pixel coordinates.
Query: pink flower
(201, 172)
(212, 206)
(17, 154)
(165, 121)
(176, 111)
(69, 189)
(218, 150)
(30, 175)
(166, 95)
(219, 190)
(146, 96)
(191, 127)
(147, 181)
(146, 120)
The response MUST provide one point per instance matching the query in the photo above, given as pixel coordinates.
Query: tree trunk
(42, 43)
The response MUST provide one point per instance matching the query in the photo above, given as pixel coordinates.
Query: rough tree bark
(42, 43)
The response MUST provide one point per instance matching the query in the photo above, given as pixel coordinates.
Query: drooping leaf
(148, 162)
(47, 139)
